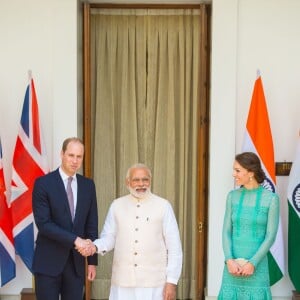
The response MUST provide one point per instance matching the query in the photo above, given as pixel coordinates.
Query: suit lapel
(80, 199)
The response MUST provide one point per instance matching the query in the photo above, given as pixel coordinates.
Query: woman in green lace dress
(249, 230)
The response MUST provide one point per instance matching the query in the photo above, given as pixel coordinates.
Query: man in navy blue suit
(64, 225)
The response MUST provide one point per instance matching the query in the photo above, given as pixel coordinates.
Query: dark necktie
(70, 197)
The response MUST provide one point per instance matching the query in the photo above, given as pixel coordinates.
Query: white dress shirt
(65, 177)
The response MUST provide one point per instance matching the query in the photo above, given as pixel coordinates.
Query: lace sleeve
(227, 229)
(271, 231)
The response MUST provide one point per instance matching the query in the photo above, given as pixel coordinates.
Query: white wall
(41, 36)
(222, 129)
(249, 35)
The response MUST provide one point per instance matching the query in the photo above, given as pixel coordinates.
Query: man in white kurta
(142, 229)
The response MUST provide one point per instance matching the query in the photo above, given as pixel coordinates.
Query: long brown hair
(251, 162)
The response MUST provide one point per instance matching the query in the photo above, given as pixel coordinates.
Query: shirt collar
(64, 176)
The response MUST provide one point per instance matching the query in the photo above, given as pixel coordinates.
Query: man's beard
(139, 195)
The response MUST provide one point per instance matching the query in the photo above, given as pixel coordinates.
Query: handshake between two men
(85, 247)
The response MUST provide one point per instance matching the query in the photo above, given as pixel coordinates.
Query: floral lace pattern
(249, 230)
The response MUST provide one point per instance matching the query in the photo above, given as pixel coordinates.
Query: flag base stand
(296, 295)
(28, 294)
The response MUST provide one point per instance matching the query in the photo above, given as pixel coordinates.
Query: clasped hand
(235, 269)
(85, 247)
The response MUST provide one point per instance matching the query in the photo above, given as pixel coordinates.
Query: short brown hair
(67, 141)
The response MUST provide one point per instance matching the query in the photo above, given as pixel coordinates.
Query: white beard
(139, 195)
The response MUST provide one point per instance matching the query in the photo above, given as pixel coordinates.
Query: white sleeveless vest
(140, 255)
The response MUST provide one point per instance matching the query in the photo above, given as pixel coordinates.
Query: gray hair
(138, 166)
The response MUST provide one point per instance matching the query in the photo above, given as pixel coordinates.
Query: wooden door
(203, 151)
(203, 133)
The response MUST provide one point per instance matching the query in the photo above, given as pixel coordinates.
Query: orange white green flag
(293, 194)
(258, 139)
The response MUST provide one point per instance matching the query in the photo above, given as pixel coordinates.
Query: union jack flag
(29, 162)
(7, 251)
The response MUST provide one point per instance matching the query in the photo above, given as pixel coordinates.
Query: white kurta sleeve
(173, 244)
(106, 241)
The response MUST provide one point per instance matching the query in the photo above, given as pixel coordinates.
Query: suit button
(135, 265)
(135, 253)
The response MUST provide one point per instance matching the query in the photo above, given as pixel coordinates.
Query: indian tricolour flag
(293, 195)
(258, 139)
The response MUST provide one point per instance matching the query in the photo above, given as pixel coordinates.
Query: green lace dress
(249, 230)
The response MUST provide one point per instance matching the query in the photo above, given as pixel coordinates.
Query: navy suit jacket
(56, 231)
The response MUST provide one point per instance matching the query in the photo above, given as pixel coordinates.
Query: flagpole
(257, 73)
(29, 75)
(32, 280)
(33, 284)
